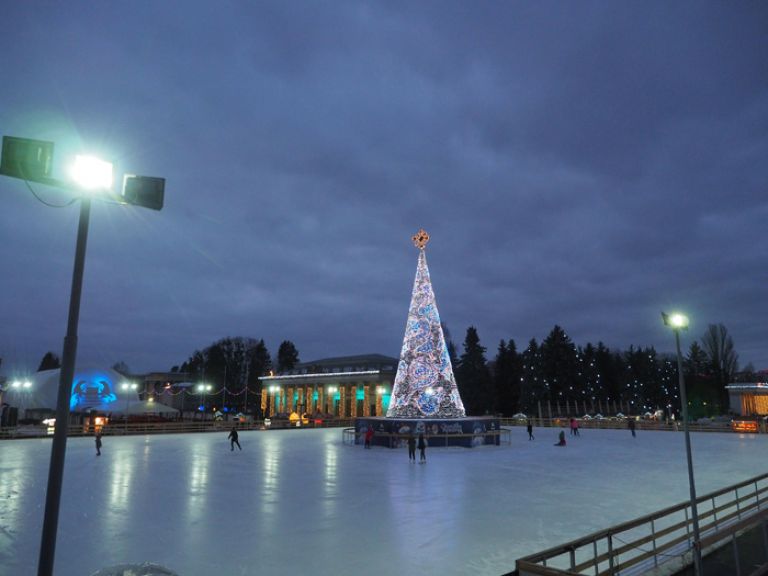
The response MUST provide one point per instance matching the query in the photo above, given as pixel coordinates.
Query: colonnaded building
(345, 387)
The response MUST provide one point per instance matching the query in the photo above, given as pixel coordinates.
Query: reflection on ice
(299, 502)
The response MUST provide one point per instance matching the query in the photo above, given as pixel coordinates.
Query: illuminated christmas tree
(424, 386)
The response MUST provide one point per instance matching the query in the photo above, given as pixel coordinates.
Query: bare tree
(723, 359)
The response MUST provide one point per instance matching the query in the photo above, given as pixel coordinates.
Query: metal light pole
(31, 161)
(679, 322)
(67, 374)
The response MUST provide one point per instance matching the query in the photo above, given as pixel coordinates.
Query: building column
(379, 405)
(321, 399)
(353, 400)
(263, 397)
(342, 401)
(367, 400)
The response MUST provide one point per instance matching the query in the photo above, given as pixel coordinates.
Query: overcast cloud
(583, 164)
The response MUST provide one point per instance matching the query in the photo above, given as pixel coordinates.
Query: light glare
(92, 173)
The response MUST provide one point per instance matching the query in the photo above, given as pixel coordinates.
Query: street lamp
(679, 322)
(126, 387)
(203, 389)
(31, 160)
(23, 387)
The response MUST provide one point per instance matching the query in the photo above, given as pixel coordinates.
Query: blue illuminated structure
(91, 389)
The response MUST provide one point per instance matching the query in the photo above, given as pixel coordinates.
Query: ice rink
(298, 502)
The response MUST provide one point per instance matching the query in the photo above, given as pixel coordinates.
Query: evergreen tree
(474, 378)
(450, 346)
(531, 385)
(506, 374)
(260, 364)
(559, 366)
(287, 356)
(49, 362)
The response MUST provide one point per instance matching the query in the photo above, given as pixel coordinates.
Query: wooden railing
(666, 536)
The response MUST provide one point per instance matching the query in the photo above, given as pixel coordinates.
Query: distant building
(748, 399)
(344, 387)
(170, 388)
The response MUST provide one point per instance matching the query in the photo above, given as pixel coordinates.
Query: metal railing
(666, 536)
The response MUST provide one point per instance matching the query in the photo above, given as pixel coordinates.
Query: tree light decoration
(424, 385)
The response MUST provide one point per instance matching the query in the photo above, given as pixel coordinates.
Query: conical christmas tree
(424, 385)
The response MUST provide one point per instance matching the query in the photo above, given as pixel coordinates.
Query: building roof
(360, 359)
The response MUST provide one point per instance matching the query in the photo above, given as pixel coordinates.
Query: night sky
(576, 163)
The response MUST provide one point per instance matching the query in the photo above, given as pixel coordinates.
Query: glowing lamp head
(676, 321)
(92, 173)
(15, 384)
(26, 384)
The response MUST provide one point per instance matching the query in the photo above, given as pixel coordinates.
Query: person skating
(233, 440)
(529, 427)
(98, 443)
(574, 427)
(411, 448)
(632, 426)
(561, 441)
(368, 437)
(422, 448)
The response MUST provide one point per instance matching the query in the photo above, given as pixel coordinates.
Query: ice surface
(302, 502)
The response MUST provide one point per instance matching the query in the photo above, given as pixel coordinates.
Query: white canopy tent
(92, 389)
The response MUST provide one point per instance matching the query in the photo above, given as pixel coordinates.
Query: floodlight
(144, 191)
(675, 320)
(15, 384)
(26, 159)
(92, 173)
(27, 384)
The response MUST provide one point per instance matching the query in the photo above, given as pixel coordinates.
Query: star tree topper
(420, 239)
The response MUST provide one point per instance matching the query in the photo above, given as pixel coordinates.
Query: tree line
(556, 371)
(547, 373)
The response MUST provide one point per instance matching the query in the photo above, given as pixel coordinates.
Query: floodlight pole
(697, 566)
(66, 376)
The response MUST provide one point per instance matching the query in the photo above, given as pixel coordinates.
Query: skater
(530, 430)
(98, 443)
(574, 427)
(632, 426)
(411, 448)
(233, 439)
(561, 441)
(422, 448)
(368, 437)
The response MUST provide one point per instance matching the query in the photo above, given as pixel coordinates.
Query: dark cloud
(586, 165)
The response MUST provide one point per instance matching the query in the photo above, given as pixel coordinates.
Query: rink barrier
(176, 427)
(619, 424)
(166, 427)
(351, 437)
(661, 542)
